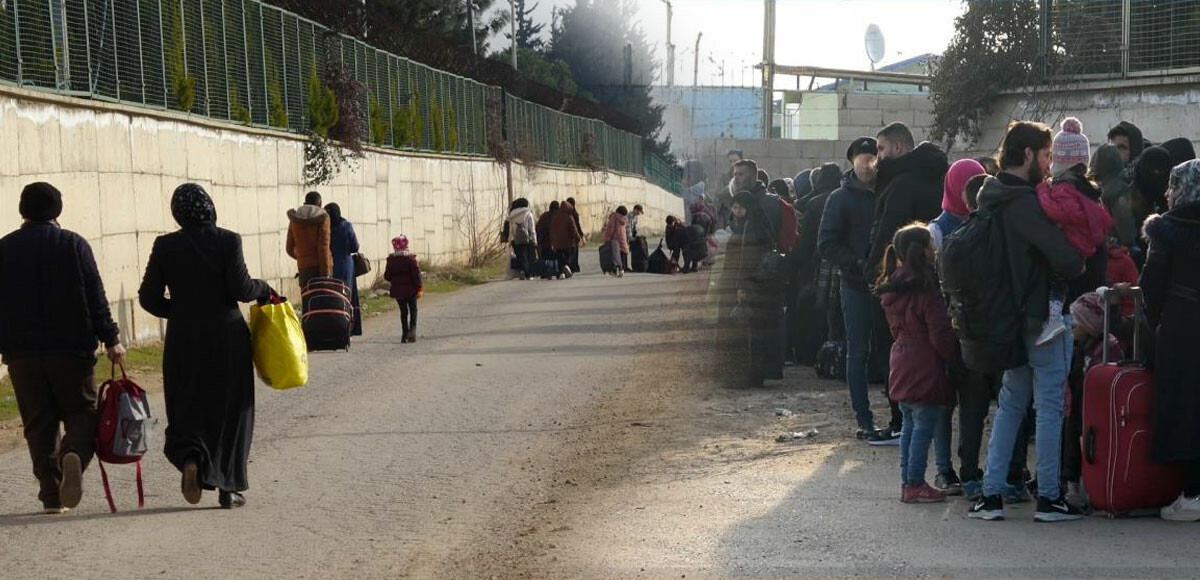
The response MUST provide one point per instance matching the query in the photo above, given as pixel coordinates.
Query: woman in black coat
(1171, 283)
(208, 373)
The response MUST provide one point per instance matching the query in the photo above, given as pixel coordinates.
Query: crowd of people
(862, 295)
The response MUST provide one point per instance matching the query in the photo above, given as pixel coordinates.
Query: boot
(404, 337)
(412, 336)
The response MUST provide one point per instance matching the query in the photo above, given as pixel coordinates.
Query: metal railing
(1121, 38)
(251, 63)
(665, 175)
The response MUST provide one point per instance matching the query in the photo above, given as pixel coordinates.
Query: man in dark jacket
(844, 240)
(1036, 250)
(909, 188)
(574, 252)
(1128, 140)
(808, 322)
(55, 314)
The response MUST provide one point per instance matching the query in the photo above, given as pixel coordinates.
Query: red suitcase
(1118, 473)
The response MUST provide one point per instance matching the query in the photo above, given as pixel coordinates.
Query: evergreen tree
(528, 32)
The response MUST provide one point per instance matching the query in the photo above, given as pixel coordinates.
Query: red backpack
(789, 229)
(123, 433)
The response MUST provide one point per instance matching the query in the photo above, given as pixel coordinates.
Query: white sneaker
(1054, 325)
(566, 272)
(1185, 509)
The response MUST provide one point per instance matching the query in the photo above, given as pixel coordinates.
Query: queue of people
(863, 287)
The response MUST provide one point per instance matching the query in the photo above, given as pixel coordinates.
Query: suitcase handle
(1089, 446)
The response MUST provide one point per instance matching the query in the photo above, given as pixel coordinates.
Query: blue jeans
(1044, 380)
(922, 425)
(856, 310)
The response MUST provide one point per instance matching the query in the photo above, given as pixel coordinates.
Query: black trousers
(408, 313)
(525, 257)
(52, 390)
(976, 392)
(1191, 478)
(879, 359)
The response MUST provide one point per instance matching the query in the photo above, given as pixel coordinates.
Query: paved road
(548, 430)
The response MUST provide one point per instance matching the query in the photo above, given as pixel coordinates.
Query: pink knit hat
(400, 243)
(1070, 147)
(956, 181)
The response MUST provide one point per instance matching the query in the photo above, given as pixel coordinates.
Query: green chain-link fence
(251, 63)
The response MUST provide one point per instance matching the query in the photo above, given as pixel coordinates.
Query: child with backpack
(404, 273)
(1073, 203)
(925, 345)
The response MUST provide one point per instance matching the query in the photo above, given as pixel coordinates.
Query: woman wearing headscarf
(1171, 283)
(751, 295)
(543, 232)
(208, 373)
(343, 244)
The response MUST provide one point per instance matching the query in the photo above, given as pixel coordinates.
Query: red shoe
(921, 494)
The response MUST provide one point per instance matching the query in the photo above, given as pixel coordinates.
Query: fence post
(112, 9)
(204, 60)
(137, 5)
(225, 53)
(162, 52)
(287, 101)
(17, 43)
(1126, 37)
(246, 62)
(262, 35)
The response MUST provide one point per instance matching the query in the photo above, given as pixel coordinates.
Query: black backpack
(977, 279)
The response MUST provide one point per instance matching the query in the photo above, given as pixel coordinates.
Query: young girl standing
(924, 345)
(404, 274)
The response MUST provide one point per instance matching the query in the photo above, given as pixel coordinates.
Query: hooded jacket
(308, 239)
(564, 234)
(828, 178)
(614, 229)
(925, 342)
(543, 231)
(1036, 247)
(1116, 193)
(844, 239)
(1181, 150)
(1137, 141)
(404, 273)
(523, 217)
(910, 189)
(1170, 284)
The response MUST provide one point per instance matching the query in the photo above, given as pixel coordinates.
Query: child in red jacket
(404, 273)
(925, 345)
(1072, 202)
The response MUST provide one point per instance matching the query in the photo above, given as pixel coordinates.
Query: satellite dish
(874, 43)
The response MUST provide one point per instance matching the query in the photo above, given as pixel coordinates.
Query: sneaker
(972, 489)
(949, 483)
(1056, 511)
(1054, 325)
(191, 483)
(230, 500)
(70, 491)
(989, 508)
(865, 432)
(884, 438)
(1185, 509)
(54, 510)
(566, 272)
(1016, 494)
(921, 494)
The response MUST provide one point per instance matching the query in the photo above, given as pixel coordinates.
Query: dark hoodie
(1116, 193)
(1036, 247)
(828, 178)
(1181, 149)
(1137, 141)
(910, 189)
(844, 239)
(1151, 176)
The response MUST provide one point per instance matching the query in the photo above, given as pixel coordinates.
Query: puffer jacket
(1036, 247)
(614, 229)
(910, 189)
(564, 234)
(1085, 222)
(925, 342)
(308, 239)
(404, 273)
(844, 238)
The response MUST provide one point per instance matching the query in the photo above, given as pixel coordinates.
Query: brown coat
(564, 234)
(308, 239)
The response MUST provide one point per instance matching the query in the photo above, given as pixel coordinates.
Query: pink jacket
(614, 229)
(1084, 221)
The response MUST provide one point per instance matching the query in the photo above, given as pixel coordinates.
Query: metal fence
(1121, 38)
(248, 62)
(556, 138)
(665, 175)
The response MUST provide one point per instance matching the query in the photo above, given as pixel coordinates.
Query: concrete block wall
(118, 166)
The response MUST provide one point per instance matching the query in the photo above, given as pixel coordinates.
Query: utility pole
(768, 68)
(471, 23)
(513, 5)
(695, 82)
(670, 46)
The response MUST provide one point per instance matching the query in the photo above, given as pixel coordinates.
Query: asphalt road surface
(556, 429)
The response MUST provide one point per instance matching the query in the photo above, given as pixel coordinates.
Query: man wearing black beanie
(55, 315)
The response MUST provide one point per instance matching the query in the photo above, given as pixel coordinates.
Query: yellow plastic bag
(280, 353)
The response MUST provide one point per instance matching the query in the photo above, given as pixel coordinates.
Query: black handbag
(362, 265)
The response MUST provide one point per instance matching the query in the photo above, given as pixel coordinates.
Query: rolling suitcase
(328, 314)
(658, 262)
(1118, 473)
(606, 259)
(639, 255)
